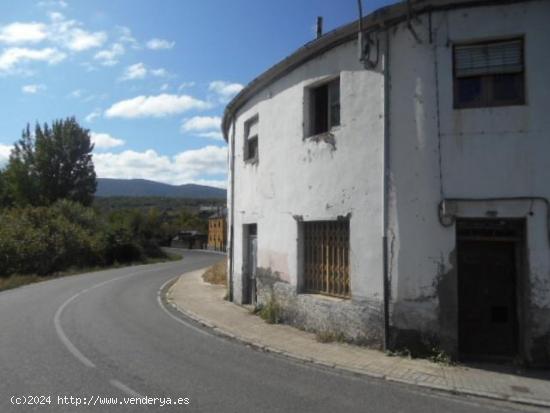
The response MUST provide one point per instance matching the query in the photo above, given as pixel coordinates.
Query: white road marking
(63, 337)
(57, 318)
(121, 386)
(179, 320)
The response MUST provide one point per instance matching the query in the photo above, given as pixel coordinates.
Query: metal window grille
(326, 258)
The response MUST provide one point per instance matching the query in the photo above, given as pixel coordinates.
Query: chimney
(319, 26)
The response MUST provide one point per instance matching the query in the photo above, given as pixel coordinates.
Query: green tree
(51, 164)
(4, 197)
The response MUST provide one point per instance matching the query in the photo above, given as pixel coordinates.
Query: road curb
(358, 371)
(198, 250)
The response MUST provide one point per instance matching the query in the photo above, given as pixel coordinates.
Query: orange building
(217, 232)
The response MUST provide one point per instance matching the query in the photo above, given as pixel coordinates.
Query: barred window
(326, 257)
(489, 74)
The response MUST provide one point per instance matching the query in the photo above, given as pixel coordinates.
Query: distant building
(217, 231)
(205, 211)
(190, 239)
(399, 194)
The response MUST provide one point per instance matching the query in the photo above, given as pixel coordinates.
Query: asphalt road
(104, 335)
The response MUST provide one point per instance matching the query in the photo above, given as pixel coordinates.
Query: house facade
(393, 187)
(217, 231)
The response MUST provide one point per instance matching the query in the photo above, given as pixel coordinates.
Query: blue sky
(150, 79)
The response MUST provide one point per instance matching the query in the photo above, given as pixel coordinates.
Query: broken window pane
(325, 107)
(320, 113)
(334, 95)
(251, 139)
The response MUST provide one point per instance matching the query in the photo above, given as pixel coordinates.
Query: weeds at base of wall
(436, 355)
(270, 312)
(405, 352)
(327, 336)
(441, 357)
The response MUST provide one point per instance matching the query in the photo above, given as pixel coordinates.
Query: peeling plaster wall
(436, 152)
(314, 180)
(469, 153)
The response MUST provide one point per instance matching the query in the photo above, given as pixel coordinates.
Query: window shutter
(489, 59)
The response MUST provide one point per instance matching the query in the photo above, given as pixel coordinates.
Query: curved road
(105, 334)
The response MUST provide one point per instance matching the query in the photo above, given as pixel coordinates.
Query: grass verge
(19, 280)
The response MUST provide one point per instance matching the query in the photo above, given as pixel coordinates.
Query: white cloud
(140, 71)
(32, 89)
(201, 123)
(76, 93)
(159, 44)
(79, 40)
(5, 151)
(216, 135)
(105, 141)
(193, 166)
(12, 58)
(19, 33)
(154, 106)
(224, 90)
(59, 33)
(56, 16)
(53, 3)
(164, 86)
(185, 85)
(160, 72)
(90, 117)
(203, 126)
(71, 35)
(109, 57)
(133, 72)
(126, 36)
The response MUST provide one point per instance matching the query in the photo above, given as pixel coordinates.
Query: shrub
(217, 274)
(46, 240)
(271, 312)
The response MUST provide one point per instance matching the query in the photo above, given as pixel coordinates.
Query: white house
(395, 189)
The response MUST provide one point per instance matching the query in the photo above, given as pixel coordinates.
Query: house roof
(379, 19)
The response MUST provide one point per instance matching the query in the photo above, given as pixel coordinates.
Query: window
(489, 74)
(251, 139)
(325, 107)
(326, 257)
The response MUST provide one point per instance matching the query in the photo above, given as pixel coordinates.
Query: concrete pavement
(205, 304)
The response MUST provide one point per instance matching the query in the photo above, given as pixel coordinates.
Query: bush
(271, 312)
(46, 240)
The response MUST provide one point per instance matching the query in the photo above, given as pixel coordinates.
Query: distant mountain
(108, 187)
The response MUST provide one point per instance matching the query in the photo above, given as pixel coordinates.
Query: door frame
(513, 230)
(250, 231)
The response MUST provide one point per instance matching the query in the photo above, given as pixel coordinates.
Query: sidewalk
(204, 303)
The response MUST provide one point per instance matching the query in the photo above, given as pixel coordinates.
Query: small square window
(324, 107)
(251, 153)
(489, 74)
